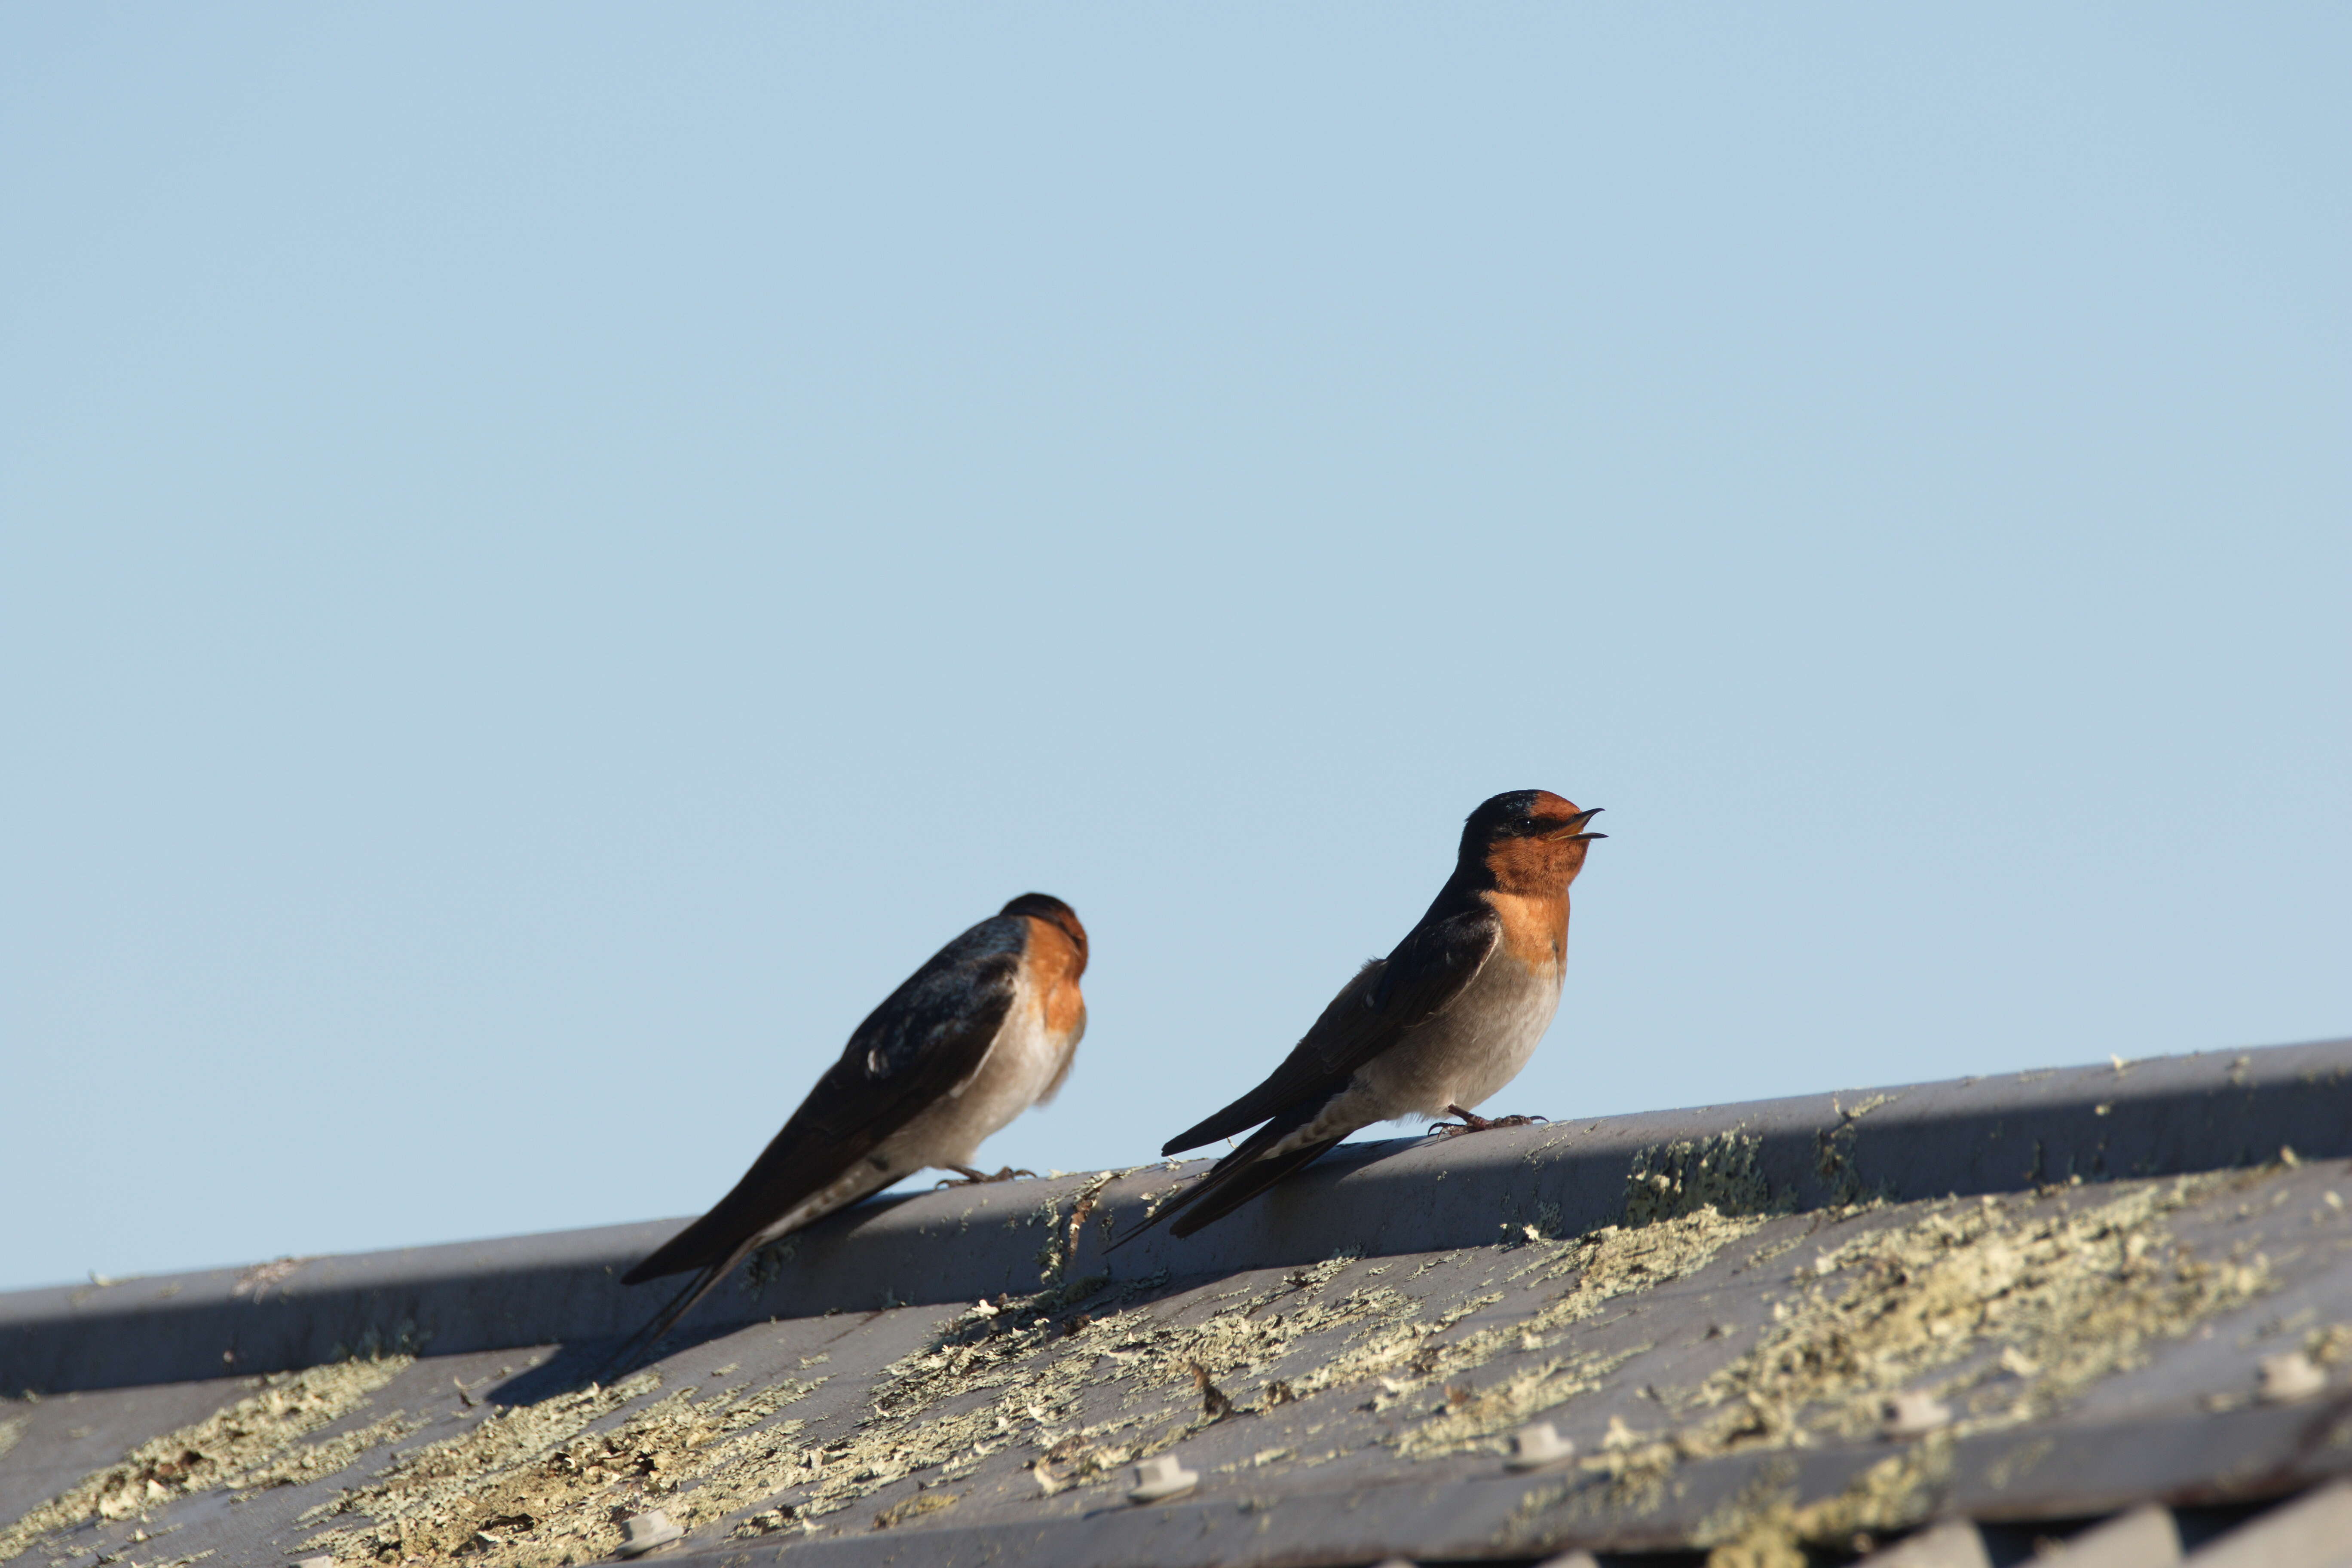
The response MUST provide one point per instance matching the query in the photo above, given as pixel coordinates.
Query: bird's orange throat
(1534, 868)
(1057, 961)
(1535, 925)
(1529, 893)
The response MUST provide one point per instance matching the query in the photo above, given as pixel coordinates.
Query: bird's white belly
(1023, 1060)
(1471, 1049)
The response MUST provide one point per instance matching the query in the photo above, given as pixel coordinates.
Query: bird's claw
(965, 1176)
(1473, 1122)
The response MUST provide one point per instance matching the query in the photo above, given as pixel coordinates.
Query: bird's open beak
(1568, 833)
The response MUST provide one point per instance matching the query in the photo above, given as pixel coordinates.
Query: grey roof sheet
(2069, 1284)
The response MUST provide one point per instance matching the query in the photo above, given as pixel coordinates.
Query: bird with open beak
(974, 1038)
(1442, 1022)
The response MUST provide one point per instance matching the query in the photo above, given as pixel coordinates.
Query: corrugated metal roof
(2025, 1303)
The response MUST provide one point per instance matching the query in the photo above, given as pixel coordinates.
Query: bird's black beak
(1568, 833)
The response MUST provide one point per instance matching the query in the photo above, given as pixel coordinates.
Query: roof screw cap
(1537, 1445)
(1160, 1477)
(2287, 1378)
(1912, 1413)
(640, 1534)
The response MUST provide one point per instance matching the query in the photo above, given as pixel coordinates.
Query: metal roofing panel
(1715, 1308)
(1972, 1135)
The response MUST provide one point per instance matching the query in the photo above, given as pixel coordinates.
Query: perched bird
(1434, 1029)
(974, 1038)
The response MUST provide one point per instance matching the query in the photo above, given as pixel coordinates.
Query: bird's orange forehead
(1549, 807)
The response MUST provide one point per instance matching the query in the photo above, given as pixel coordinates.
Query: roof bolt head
(2287, 1378)
(640, 1534)
(1162, 1476)
(1538, 1445)
(1912, 1413)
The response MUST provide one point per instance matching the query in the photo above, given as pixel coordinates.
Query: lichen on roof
(1767, 1527)
(539, 1485)
(1606, 1264)
(2010, 1305)
(1670, 1180)
(2004, 1308)
(254, 1441)
(1033, 1361)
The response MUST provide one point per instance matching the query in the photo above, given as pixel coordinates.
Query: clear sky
(550, 554)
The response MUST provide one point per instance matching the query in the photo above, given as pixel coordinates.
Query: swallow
(974, 1038)
(1442, 1022)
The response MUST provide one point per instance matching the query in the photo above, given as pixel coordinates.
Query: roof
(2020, 1304)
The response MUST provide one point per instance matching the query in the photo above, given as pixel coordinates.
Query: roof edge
(2159, 1116)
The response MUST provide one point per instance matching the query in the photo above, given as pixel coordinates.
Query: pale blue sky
(552, 553)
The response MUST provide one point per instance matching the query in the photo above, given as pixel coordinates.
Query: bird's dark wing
(927, 1036)
(1419, 980)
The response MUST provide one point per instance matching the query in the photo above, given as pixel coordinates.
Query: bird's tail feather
(1240, 1176)
(1218, 1195)
(633, 1349)
(697, 1246)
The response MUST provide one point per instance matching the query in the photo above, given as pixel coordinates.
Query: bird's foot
(1473, 1122)
(965, 1176)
